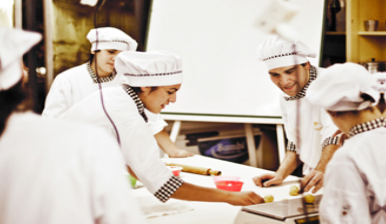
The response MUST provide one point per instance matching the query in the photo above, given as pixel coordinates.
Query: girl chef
(73, 85)
(354, 187)
(153, 79)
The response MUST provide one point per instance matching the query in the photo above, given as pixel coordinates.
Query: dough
(309, 198)
(268, 198)
(294, 190)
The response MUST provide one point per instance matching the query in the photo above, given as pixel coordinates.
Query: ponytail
(382, 104)
(9, 101)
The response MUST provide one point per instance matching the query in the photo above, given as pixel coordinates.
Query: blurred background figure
(51, 171)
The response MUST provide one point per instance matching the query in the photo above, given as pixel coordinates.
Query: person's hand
(312, 179)
(244, 198)
(268, 179)
(180, 153)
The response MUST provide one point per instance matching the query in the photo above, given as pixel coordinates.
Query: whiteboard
(217, 41)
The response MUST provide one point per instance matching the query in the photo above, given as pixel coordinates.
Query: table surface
(210, 212)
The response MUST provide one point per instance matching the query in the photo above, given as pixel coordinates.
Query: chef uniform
(126, 110)
(74, 84)
(316, 128)
(354, 183)
(53, 171)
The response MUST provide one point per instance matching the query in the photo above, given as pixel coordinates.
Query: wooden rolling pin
(196, 169)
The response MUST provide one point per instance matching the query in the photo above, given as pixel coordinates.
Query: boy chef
(292, 73)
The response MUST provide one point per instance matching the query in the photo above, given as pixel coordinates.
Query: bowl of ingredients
(228, 183)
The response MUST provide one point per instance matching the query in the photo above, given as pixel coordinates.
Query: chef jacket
(316, 128)
(354, 183)
(56, 172)
(138, 144)
(75, 84)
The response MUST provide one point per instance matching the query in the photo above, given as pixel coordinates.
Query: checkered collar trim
(302, 93)
(138, 102)
(101, 80)
(367, 126)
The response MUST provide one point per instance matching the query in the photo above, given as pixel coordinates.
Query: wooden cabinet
(334, 40)
(364, 45)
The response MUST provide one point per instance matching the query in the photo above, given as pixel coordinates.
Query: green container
(132, 180)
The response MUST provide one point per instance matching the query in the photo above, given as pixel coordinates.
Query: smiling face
(290, 79)
(159, 98)
(105, 61)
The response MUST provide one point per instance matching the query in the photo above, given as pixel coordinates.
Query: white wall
(217, 42)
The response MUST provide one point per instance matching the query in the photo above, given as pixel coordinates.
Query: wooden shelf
(363, 45)
(372, 33)
(334, 33)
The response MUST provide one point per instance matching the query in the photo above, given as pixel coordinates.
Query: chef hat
(110, 38)
(276, 52)
(14, 43)
(342, 87)
(157, 68)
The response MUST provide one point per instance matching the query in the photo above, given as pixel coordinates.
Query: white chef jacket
(354, 188)
(56, 172)
(138, 144)
(315, 127)
(74, 84)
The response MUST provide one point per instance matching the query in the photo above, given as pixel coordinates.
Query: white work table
(212, 213)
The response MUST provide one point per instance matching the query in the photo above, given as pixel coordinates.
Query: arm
(192, 192)
(290, 163)
(169, 147)
(329, 145)
(315, 177)
(148, 167)
(291, 160)
(157, 126)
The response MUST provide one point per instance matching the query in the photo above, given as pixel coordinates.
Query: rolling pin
(196, 169)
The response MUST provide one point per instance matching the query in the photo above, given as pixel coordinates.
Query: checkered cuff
(291, 147)
(367, 126)
(330, 141)
(164, 193)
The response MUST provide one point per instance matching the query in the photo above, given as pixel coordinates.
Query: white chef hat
(110, 38)
(14, 43)
(342, 87)
(156, 68)
(277, 52)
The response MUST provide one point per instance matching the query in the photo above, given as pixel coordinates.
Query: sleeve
(328, 130)
(58, 99)
(155, 122)
(290, 144)
(112, 197)
(141, 153)
(344, 194)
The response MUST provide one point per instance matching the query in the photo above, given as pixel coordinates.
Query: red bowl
(229, 185)
(176, 170)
